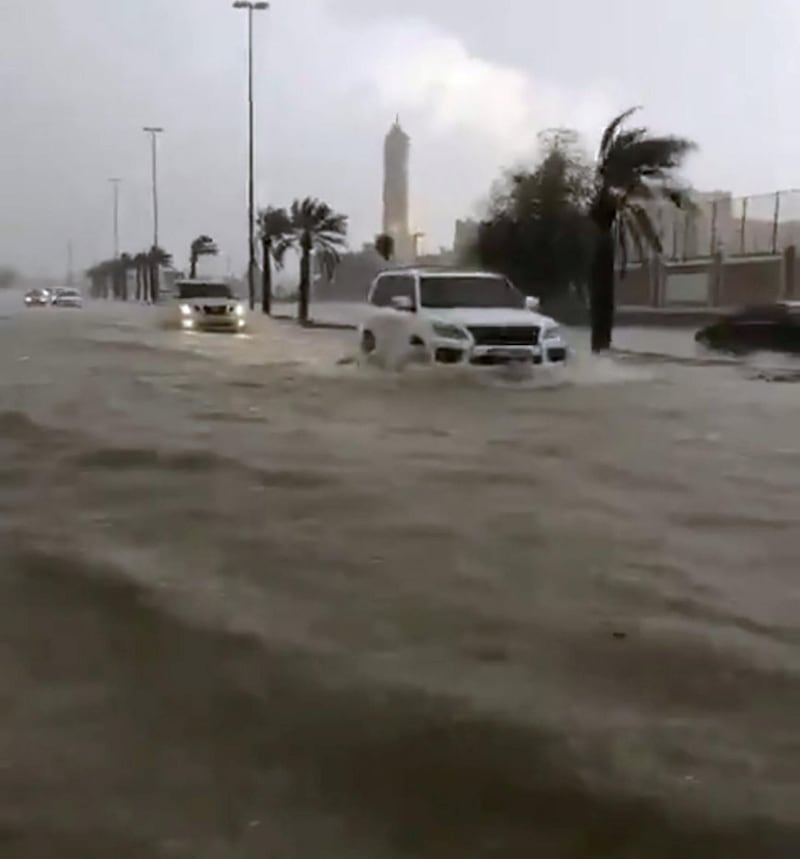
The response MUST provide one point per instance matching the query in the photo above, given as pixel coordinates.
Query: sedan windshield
(204, 290)
(469, 291)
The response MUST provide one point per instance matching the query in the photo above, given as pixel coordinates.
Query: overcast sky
(473, 83)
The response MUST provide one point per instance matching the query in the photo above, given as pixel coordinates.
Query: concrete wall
(688, 284)
(635, 287)
(751, 281)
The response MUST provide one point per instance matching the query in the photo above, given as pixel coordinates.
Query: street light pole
(115, 184)
(251, 7)
(154, 131)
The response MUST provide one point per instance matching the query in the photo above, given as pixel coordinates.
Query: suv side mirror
(532, 303)
(403, 302)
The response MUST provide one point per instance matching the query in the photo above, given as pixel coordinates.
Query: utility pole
(115, 185)
(70, 268)
(154, 131)
(251, 7)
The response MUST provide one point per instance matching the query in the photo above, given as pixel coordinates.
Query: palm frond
(273, 222)
(652, 158)
(611, 131)
(329, 260)
(642, 227)
(633, 234)
(282, 246)
(316, 224)
(680, 198)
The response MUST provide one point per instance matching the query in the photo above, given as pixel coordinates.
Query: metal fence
(733, 226)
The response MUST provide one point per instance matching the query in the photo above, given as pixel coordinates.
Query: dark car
(37, 298)
(759, 328)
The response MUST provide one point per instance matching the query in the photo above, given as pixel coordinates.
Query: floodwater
(256, 601)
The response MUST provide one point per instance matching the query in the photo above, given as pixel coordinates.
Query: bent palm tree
(633, 167)
(96, 280)
(156, 257)
(274, 226)
(316, 228)
(202, 246)
(140, 265)
(121, 268)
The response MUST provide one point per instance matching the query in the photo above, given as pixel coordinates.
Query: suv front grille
(215, 310)
(505, 335)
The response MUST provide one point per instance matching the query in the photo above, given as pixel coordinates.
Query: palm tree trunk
(154, 283)
(266, 277)
(305, 283)
(602, 285)
(192, 267)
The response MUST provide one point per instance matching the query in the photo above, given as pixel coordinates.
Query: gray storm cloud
(79, 81)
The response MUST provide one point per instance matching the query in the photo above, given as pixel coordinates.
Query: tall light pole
(251, 7)
(70, 266)
(115, 184)
(154, 131)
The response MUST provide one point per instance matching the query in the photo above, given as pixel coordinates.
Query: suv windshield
(469, 291)
(204, 290)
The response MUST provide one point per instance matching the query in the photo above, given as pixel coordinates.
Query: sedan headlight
(240, 311)
(451, 332)
(186, 310)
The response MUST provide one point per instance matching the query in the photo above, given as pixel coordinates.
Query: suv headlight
(240, 311)
(186, 310)
(451, 332)
(552, 333)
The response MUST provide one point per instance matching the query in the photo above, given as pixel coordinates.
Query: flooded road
(257, 602)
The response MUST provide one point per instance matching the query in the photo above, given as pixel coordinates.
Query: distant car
(66, 297)
(759, 328)
(207, 305)
(457, 317)
(37, 298)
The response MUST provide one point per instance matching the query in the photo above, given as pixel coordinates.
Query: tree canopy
(537, 231)
(547, 223)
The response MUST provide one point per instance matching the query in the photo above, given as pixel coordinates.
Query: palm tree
(141, 264)
(202, 246)
(96, 280)
(119, 275)
(316, 228)
(274, 226)
(633, 168)
(156, 257)
(384, 245)
(102, 276)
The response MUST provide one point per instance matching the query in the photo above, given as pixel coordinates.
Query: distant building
(396, 216)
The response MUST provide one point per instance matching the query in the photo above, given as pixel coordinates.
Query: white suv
(206, 305)
(455, 317)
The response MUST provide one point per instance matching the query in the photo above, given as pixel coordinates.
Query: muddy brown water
(256, 602)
